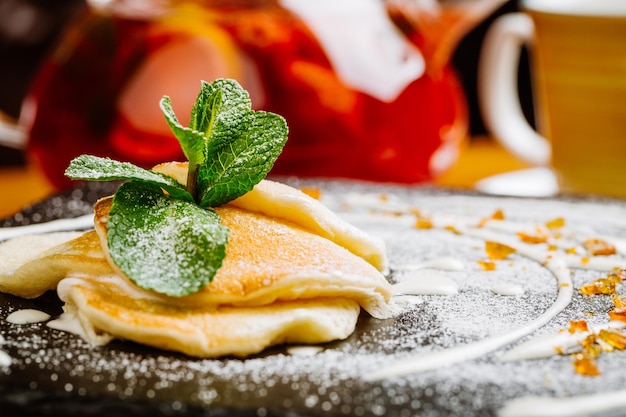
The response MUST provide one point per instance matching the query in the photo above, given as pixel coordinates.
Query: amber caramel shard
(538, 237)
(585, 365)
(497, 215)
(591, 347)
(597, 287)
(614, 338)
(599, 247)
(578, 326)
(619, 301)
(423, 223)
(487, 265)
(497, 251)
(618, 314)
(606, 286)
(453, 229)
(557, 223)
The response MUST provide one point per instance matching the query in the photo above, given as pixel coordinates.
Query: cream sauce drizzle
(582, 405)
(550, 344)
(27, 316)
(539, 347)
(425, 284)
(429, 361)
(68, 322)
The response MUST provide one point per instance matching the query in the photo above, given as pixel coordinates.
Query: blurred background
(30, 28)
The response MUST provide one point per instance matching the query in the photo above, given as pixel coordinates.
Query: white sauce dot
(507, 289)
(5, 359)
(27, 316)
(304, 350)
(425, 284)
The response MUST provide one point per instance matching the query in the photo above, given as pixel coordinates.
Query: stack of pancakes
(294, 272)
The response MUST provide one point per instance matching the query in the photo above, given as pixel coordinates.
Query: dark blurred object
(28, 29)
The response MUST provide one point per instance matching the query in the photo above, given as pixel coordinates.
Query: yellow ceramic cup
(578, 68)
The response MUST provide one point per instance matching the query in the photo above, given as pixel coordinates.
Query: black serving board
(56, 373)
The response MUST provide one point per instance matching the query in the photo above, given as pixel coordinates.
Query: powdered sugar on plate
(334, 381)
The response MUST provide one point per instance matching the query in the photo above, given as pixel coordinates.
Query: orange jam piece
(585, 365)
(497, 250)
(556, 223)
(578, 326)
(599, 247)
(487, 265)
(613, 338)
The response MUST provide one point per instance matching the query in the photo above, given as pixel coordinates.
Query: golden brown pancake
(291, 274)
(268, 259)
(32, 265)
(284, 202)
(103, 305)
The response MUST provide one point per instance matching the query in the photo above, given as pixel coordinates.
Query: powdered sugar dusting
(331, 381)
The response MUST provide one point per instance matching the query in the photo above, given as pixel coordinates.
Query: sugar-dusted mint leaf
(232, 171)
(162, 244)
(191, 141)
(169, 242)
(93, 168)
(221, 112)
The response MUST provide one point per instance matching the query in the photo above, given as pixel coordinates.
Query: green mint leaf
(93, 168)
(162, 244)
(232, 171)
(191, 142)
(221, 112)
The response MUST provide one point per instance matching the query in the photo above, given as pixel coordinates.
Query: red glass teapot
(366, 86)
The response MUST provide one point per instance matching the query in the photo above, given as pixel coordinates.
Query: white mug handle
(497, 88)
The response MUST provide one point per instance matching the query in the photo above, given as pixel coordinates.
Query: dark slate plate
(56, 373)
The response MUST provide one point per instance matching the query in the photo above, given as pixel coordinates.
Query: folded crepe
(294, 272)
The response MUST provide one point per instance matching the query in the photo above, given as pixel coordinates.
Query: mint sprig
(93, 168)
(166, 245)
(163, 235)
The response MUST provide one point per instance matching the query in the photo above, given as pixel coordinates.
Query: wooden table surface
(482, 157)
